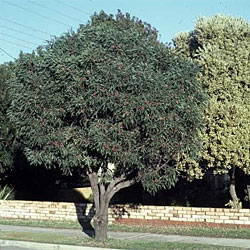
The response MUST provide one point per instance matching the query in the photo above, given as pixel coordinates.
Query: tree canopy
(6, 129)
(108, 93)
(221, 44)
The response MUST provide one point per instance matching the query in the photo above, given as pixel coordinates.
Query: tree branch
(94, 186)
(118, 187)
(102, 190)
(114, 182)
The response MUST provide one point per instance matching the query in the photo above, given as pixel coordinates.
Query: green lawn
(242, 233)
(217, 232)
(110, 243)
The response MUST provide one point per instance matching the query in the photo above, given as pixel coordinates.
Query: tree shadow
(85, 213)
(83, 207)
(118, 211)
(121, 211)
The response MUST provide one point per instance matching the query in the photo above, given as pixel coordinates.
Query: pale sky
(25, 24)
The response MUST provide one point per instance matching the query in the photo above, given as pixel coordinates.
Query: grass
(199, 231)
(239, 233)
(110, 243)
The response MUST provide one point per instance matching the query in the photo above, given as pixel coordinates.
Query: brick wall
(45, 210)
(159, 215)
(165, 215)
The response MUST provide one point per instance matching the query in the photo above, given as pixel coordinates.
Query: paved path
(25, 245)
(244, 243)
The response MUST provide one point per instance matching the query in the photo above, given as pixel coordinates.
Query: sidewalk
(25, 245)
(243, 243)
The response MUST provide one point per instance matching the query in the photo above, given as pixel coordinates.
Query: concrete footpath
(25, 245)
(9, 245)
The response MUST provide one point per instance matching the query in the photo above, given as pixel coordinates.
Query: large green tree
(109, 93)
(7, 147)
(221, 44)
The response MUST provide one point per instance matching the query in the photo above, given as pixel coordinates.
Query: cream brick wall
(73, 211)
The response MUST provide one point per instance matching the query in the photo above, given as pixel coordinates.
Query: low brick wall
(38, 210)
(159, 215)
(193, 216)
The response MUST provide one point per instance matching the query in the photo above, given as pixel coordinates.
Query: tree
(109, 93)
(7, 146)
(221, 44)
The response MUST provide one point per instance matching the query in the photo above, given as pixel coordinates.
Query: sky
(26, 24)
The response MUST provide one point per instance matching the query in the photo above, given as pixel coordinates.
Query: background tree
(109, 93)
(221, 44)
(7, 147)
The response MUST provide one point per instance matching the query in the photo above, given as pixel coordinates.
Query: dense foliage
(6, 130)
(221, 44)
(108, 93)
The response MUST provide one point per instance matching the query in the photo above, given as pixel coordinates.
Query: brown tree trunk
(233, 191)
(102, 196)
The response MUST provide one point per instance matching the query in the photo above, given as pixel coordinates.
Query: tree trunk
(233, 191)
(102, 196)
(101, 226)
(248, 192)
(234, 195)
